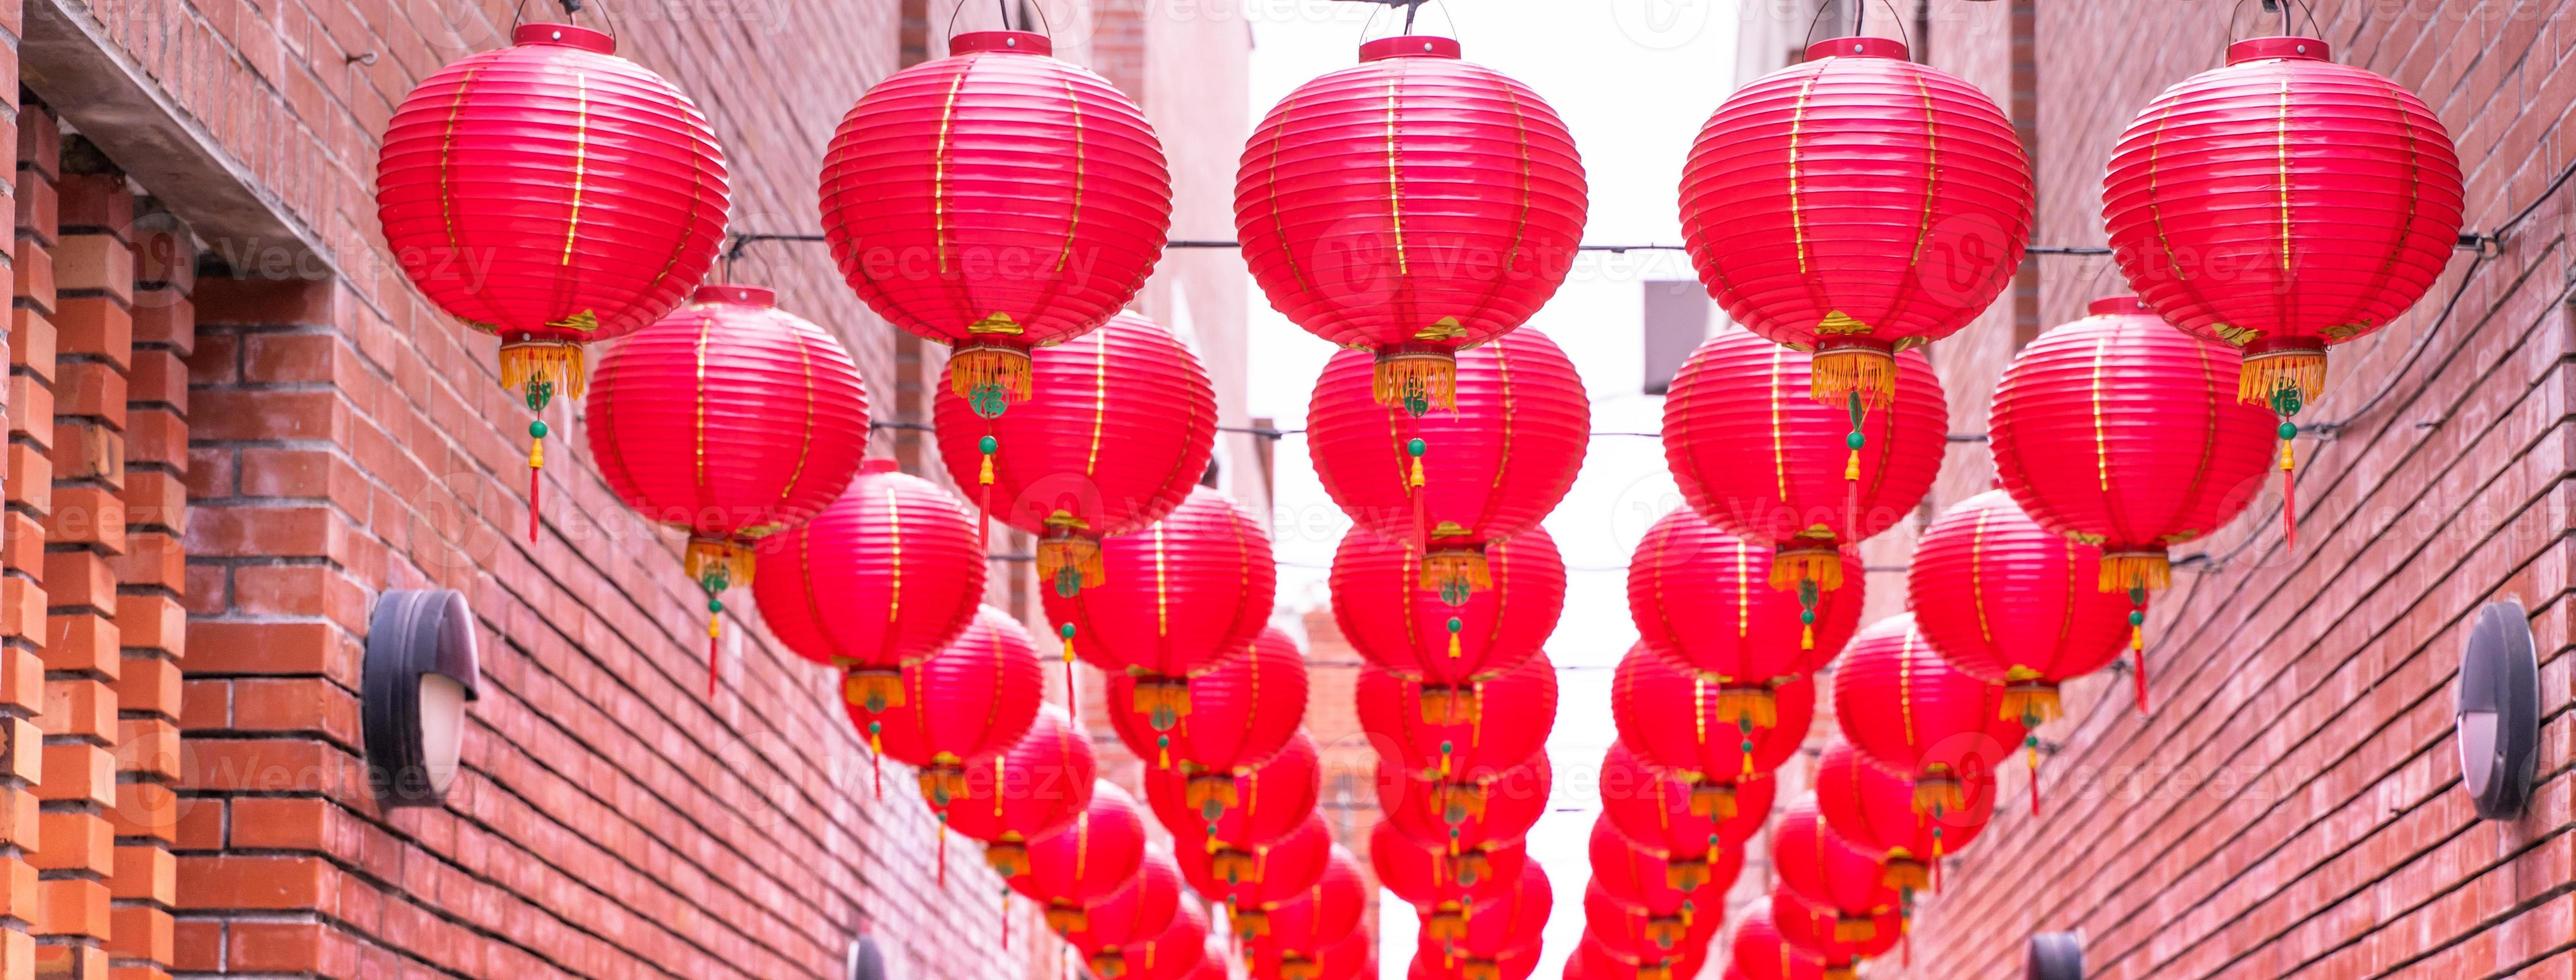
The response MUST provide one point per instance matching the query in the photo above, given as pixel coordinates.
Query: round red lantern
(997, 201)
(1471, 808)
(886, 575)
(1085, 862)
(1409, 631)
(1758, 458)
(1036, 787)
(1838, 943)
(2007, 600)
(1516, 965)
(1856, 205)
(962, 704)
(1873, 808)
(1702, 597)
(1831, 872)
(1134, 912)
(1353, 956)
(553, 194)
(1429, 878)
(1171, 954)
(1678, 721)
(1760, 952)
(1243, 710)
(1412, 206)
(1185, 592)
(1641, 879)
(1507, 927)
(1434, 735)
(1120, 433)
(1907, 709)
(2116, 430)
(2282, 204)
(731, 420)
(1594, 961)
(1254, 805)
(1315, 917)
(1633, 931)
(1251, 878)
(1661, 814)
(1453, 482)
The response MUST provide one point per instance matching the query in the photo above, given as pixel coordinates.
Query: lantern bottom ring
(2123, 571)
(1417, 379)
(2274, 366)
(1806, 560)
(990, 377)
(1844, 366)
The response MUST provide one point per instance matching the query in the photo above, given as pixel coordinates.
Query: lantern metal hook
(1412, 8)
(572, 11)
(2288, 27)
(1046, 26)
(1860, 9)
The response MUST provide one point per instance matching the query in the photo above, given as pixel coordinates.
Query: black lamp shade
(419, 674)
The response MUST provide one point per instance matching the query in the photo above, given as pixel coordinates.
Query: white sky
(1634, 79)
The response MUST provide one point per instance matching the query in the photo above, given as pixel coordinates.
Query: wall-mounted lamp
(2497, 722)
(2054, 956)
(420, 673)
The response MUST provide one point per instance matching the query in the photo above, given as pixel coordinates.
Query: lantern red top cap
(725, 292)
(1008, 42)
(568, 35)
(1410, 46)
(2117, 304)
(1858, 47)
(2284, 48)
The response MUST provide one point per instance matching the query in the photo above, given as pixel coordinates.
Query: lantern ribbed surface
(552, 193)
(997, 200)
(1657, 811)
(1428, 733)
(1121, 427)
(1472, 808)
(1857, 204)
(1319, 915)
(1412, 205)
(2007, 600)
(1759, 952)
(1032, 789)
(1906, 708)
(973, 698)
(1758, 458)
(1827, 869)
(1703, 597)
(1087, 861)
(1630, 931)
(1403, 628)
(1243, 709)
(2283, 203)
(1641, 879)
(1252, 878)
(1172, 954)
(1872, 806)
(1182, 593)
(1824, 933)
(884, 576)
(1244, 809)
(1684, 725)
(1136, 911)
(1506, 928)
(1427, 876)
(2121, 432)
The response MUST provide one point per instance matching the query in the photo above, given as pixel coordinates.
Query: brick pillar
(84, 537)
(29, 485)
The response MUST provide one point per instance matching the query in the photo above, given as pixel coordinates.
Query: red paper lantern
(1430, 878)
(1907, 709)
(1453, 482)
(1685, 725)
(1036, 787)
(1413, 205)
(1085, 862)
(1508, 927)
(1251, 878)
(959, 706)
(1759, 459)
(1256, 805)
(1471, 808)
(1825, 935)
(1643, 879)
(1351, 957)
(1397, 625)
(885, 576)
(1243, 710)
(1184, 592)
(1593, 961)
(1314, 918)
(998, 201)
(1760, 952)
(2007, 600)
(1635, 932)
(1120, 433)
(553, 194)
(1832, 872)
(1702, 597)
(1433, 735)
(731, 420)
(1135, 912)
(1428, 965)
(1662, 815)
(2283, 204)
(1873, 808)
(2117, 431)
(1174, 953)
(1856, 205)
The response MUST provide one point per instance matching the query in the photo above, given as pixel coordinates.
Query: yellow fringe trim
(1939, 788)
(1734, 703)
(1480, 970)
(2029, 699)
(1448, 923)
(2266, 372)
(1465, 799)
(942, 782)
(1665, 931)
(1451, 705)
(1845, 972)
(1010, 859)
(1854, 929)
(1686, 874)
(1006, 368)
(1067, 918)
(1295, 967)
(872, 688)
(1904, 873)
(1795, 563)
(1203, 788)
(2123, 570)
(734, 557)
(1162, 697)
(1433, 373)
(1251, 923)
(1716, 800)
(1471, 867)
(1456, 566)
(1055, 554)
(1109, 964)
(557, 361)
(1836, 372)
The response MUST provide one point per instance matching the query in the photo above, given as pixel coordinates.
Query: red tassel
(2289, 502)
(876, 773)
(943, 851)
(2141, 676)
(2033, 754)
(712, 653)
(536, 470)
(1006, 918)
